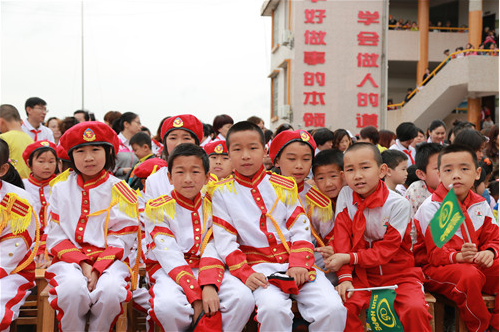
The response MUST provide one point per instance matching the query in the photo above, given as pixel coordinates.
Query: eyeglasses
(41, 109)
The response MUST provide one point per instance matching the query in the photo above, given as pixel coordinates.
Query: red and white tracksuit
(461, 282)
(75, 236)
(247, 240)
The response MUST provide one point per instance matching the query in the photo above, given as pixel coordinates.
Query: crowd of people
(402, 24)
(229, 217)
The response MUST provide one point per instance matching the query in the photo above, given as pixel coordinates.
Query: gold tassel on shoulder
(17, 211)
(126, 199)
(60, 178)
(156, 209)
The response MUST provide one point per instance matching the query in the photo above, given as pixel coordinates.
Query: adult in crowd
(67, 123)
(405, 134)
(55, 125)
(81, 115)
(386, 138)
(111, 116)
(341, 140)
(221, 125)
(436, 132)
(126, 126)
(156, 140)
(208, 134)
(419, 139)
(36, 109)
(256, 120)
(370, 134)
(491, 150)
(282, 127)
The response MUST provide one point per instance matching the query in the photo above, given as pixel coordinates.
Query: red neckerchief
(408, 152)
(472, 198)
(376, 199)
(36, 132)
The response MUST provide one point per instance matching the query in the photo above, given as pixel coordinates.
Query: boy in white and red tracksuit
(468, 264)
(94, 225)
(261, 229)
(184, 268)
(372, 242)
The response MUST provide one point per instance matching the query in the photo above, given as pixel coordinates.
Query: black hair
(472, 138)
(245, 126)
(359, 145)
(35, 154)
(424, 152)
(4, 152)
(255, 119)
(392, 158)
(86, 114)
(140, 139)
(118, 124)
(338, 135)
(146, 130)
(282, 127)
(268, 135)
(208, 130)
(34, 101)
(322, 135)
(220, 121)
(412, 175)
(458, 126)
(109, 151)
(481, 179)
(186, 150)
(371, 133)
(406, 131)
(9, 113)
(328, 157)
(12, 176)
(493, 188)
(436, 124)
(455, 148)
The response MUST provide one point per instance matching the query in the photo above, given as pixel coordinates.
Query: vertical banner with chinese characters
(338, 64)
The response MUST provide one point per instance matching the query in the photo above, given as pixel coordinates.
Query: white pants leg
(111, 290)
(320, 304)
(69, 295)
(274, 309)
(14, 289)
(236, 303)
(169, 305)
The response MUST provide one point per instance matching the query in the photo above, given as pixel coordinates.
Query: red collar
(472, 198)
(254, 181)
(300, 187)
(92, 183)
(186, 203)
(38, 183)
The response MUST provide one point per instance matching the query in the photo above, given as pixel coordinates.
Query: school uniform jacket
(17, 232)
(157, 184)
(179, 240)
(386, 247)
(79, 228)
(478, 220)
(243, 213)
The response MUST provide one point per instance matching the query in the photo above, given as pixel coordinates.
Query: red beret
(148, 167)
(286, 137)
(35, 146)
(89, 133)
(62, 154)
(216, 147)
(187, 122)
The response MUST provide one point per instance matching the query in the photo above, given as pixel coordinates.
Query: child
(396, 162)
(220, 163)
(260, 231)
(141, 145)
(176, 130)
(18, 231)
(41, 158)
(63, 159)
(405, 134)
(468, 264)
(427, 171)
(186, 272)
(323, 138)
(93, 226)
(372, 240)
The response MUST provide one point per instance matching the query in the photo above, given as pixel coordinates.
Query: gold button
(11, 254)
(218, 280)
(253, 190)
(192, 287)
(80, 228)
(274, 249)
(188, 281)
(305, 221)
(258, 199)
(190, 261)
(85, 211)
(89, 250)
(280, 258)
(197, 238)
(197, 244)
(192, 252)
(195, 214)
(307, 228)
(85, 202)
(79, 237)
(262, 207)
(82, 221)
(41, 195)
(196, 222)
(307, 264)
(197, 229)
(17, 244)
(270, 236)
(43, 203)
(162, 240)
(84, 193)
(307, 257)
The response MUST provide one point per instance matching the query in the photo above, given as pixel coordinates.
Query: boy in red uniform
(468, 264)
(371, 239)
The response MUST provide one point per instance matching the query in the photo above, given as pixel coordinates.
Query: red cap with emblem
(62, 154)
(286, 137)
(217, 147)
(89, 133)
(35, 146)
(148, 167)
(186, 122)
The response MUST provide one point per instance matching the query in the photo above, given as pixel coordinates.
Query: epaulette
(156, 208)
(17, 210)
(284, 184)
(207, 206)
(61, 177)
(126, 199)
(227, 183)
(321, 203)
(213, 178)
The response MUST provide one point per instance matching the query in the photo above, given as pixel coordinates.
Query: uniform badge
(312, 277)
(178, 123)
(89, 135)
(45, 143)
(385, 221)
(304, 136)
(218, 149)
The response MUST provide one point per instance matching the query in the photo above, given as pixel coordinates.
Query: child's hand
(91, 276)
(467, 253)
(325, 251)
(257, 280)
(198, 308)
(41, 261)
(211, 303)
(299, 274)
(94, 276)
(335, 262)
(484, 258)
(342, 290)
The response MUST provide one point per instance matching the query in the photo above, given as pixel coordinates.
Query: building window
(274, 94)
(285, 66)
(276, 27)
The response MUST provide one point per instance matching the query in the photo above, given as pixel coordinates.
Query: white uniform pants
(13, 291)
(318, 303)
(72, 300)
(171, 309)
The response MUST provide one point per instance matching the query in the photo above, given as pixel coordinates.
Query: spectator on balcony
(409, 95)
(490, 39)
(470, 47)
(398, 26)
(392, 21)
(448, 25)
(439, 25)
(414, 26)
(426, 74)
(459, 55)
(494, 48)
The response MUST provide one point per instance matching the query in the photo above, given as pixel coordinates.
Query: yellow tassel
(61, 177)
(287, 196)
(157, 213)
(18, 222)
(34, 251)
(124, 205)
(324, 214)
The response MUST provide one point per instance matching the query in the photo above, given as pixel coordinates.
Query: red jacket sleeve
(342, 243)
